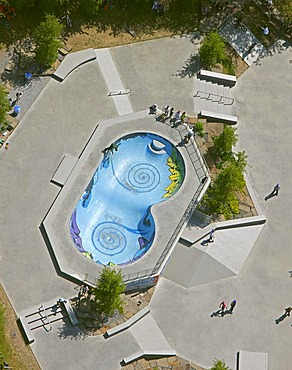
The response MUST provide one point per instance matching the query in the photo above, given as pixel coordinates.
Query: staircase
(212, 96)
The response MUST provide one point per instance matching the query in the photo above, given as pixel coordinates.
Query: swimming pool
(112, 223)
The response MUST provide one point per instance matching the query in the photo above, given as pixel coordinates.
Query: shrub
(107, 292)
(4, 105)
(224, 143)
(212, 50)
(47, 39)
(219, 365)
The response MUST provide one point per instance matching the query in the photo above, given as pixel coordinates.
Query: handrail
(209, 94)
(47, 317)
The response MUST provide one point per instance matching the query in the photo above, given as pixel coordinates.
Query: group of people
(176, 118)
(223, 307)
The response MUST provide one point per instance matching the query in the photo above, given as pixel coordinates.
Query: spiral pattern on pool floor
(142, 177)
(109, 239)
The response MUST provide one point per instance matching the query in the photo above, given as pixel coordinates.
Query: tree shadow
(66, 331)
(191, 68)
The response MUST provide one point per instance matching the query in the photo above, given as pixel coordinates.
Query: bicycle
(4, 22)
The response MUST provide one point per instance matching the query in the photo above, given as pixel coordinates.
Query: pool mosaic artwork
(112, 223)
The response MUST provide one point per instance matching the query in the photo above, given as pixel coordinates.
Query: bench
(144, 353)
(221, 117)
(71, 314)
(128, 323)
(219, 78)
(72, 61)
(65, 168)
(26, 330)
(252, 360)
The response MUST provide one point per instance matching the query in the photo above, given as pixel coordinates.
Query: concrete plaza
(61, 121)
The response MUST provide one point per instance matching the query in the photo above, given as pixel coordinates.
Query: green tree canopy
(4, 104)
(285, 8)
(47, 39)
(225, 142)
(108, 292)
(212, 50)
(220, 197)
(219, 365)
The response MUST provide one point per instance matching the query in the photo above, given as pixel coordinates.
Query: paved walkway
(263, 287)
(71, 110)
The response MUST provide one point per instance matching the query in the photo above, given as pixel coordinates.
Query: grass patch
(12, 347)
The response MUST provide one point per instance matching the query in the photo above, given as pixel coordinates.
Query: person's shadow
(271, 195)
(206, 242)
(219, 313)
(181, 143)
(281, 318)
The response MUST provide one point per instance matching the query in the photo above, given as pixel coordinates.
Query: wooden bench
(144, 353)
(219, 78)
(128, 323)
(71, 314)
(220, 117)
(26, 330)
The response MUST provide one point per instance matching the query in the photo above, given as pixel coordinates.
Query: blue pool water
(112, 222)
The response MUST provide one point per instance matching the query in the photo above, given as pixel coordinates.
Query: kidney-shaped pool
(112, 222)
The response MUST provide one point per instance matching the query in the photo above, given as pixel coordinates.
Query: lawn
(12, 347)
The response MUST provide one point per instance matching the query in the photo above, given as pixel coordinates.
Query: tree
(47, 39)
(107, 292)
(225, 142)
(90, 7)
(4, 105)
(285, 8)
(220, 197)
(219, 365)
(212, 50)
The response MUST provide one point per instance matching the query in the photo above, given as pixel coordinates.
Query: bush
(219, 365)
(220, 197)
(212, 50)
(4, 105)
(224, 143)
(107, 292)
(47, 39)
(199, 127)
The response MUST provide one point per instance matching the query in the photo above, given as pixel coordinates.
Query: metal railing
(47, 317)
(208, 95)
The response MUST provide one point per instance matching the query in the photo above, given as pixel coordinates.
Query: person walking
(171, 112)
(275, 192)
(7, 146)
(223, 307)
(276, 189)
(266, 30)
(232, 305)
(211, 236)
(287, 311)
